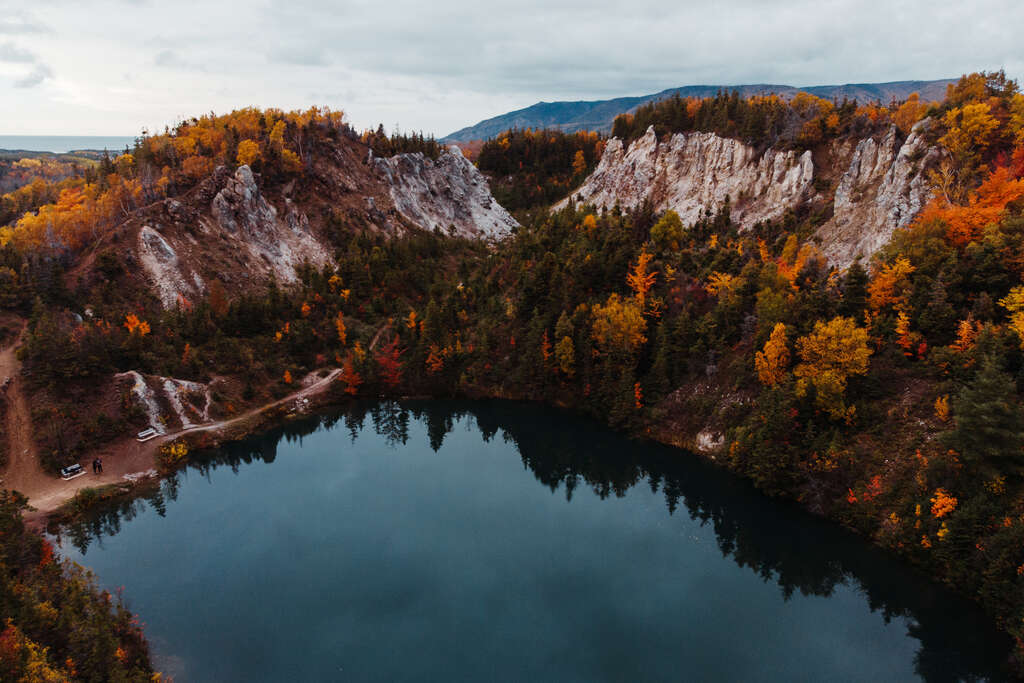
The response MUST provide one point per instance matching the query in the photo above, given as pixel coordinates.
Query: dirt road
(123, 456)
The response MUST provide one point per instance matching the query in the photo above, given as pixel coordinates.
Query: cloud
(171, 59)
(20, 24)
(9, 52)
(168, 58)
(300, 55)
(582, 48)
(448, 63)
(38, 74)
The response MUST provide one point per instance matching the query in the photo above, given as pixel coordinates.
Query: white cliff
(692, 172)
(281, 243)
(882, 189)
(883, 186)
(160, 261)
(449, 193)
(228, 229)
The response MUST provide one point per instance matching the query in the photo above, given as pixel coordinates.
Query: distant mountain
(599, 114)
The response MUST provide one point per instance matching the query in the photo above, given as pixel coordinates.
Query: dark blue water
(60, 144)
(440, 541)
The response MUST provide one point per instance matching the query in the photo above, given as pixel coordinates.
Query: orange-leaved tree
(349, 377)
(640, 279)
(579, 163)
(964, 223)
(389, 363)
(136, 326)
(772, 364)
(891, 285)
(339, 325)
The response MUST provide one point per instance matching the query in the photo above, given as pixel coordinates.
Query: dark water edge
(775, 541)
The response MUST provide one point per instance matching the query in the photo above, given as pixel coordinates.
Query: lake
(499, 541)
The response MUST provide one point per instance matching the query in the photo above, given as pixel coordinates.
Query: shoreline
(134, 463)
(261, 418)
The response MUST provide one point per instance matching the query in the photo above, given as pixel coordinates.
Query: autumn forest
(886, 395)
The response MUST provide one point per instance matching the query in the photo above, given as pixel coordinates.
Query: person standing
(99, 465)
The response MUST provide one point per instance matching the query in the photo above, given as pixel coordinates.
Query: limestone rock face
(232, 229)
(239, 206)
(276, 244)
(883, 188)
(160, 262)
(447, 194)
(692, 172)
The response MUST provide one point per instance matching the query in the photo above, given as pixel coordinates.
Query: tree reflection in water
(775, 539)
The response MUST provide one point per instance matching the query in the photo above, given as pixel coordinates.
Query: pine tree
(989, 420)
(855, 291)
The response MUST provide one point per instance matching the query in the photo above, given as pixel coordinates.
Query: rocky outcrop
(448, 194)
(170, 403)
(171, 279)
(240, 207)
(882, 189)
(282, 244)
(230, 229)
(692, 172)
(243, 224)
(883, 183)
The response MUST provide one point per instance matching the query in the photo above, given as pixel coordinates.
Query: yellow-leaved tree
(772, 364)
(1014, 303)
(831, 354)
(565, 354)
(969, 130)
(248, 152)
(619, 325)
(910, 112)
(579, 163)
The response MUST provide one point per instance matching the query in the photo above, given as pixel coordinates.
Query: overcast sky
(113, 67)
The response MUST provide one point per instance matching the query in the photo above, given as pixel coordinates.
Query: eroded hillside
(881, 183)
(239, 229)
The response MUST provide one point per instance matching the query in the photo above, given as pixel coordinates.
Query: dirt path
(123, 456)
(23, 470)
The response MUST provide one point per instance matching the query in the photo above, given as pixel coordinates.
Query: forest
(886, 397)
(58, 625)
(535, 168)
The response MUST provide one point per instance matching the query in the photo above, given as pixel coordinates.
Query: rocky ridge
(234, 230)
(448, 194)
(884, 186)
(883, 183)
(694, 172)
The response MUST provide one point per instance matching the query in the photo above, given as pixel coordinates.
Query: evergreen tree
(989, 420)
(855, 291)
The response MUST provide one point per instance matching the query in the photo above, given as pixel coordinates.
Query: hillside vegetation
(598, 115)
(58, 625)
(535, 168)
(886, 396)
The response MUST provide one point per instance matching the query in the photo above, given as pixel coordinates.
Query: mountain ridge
(571, 116)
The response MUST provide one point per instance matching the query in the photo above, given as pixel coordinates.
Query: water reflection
(775, 540)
